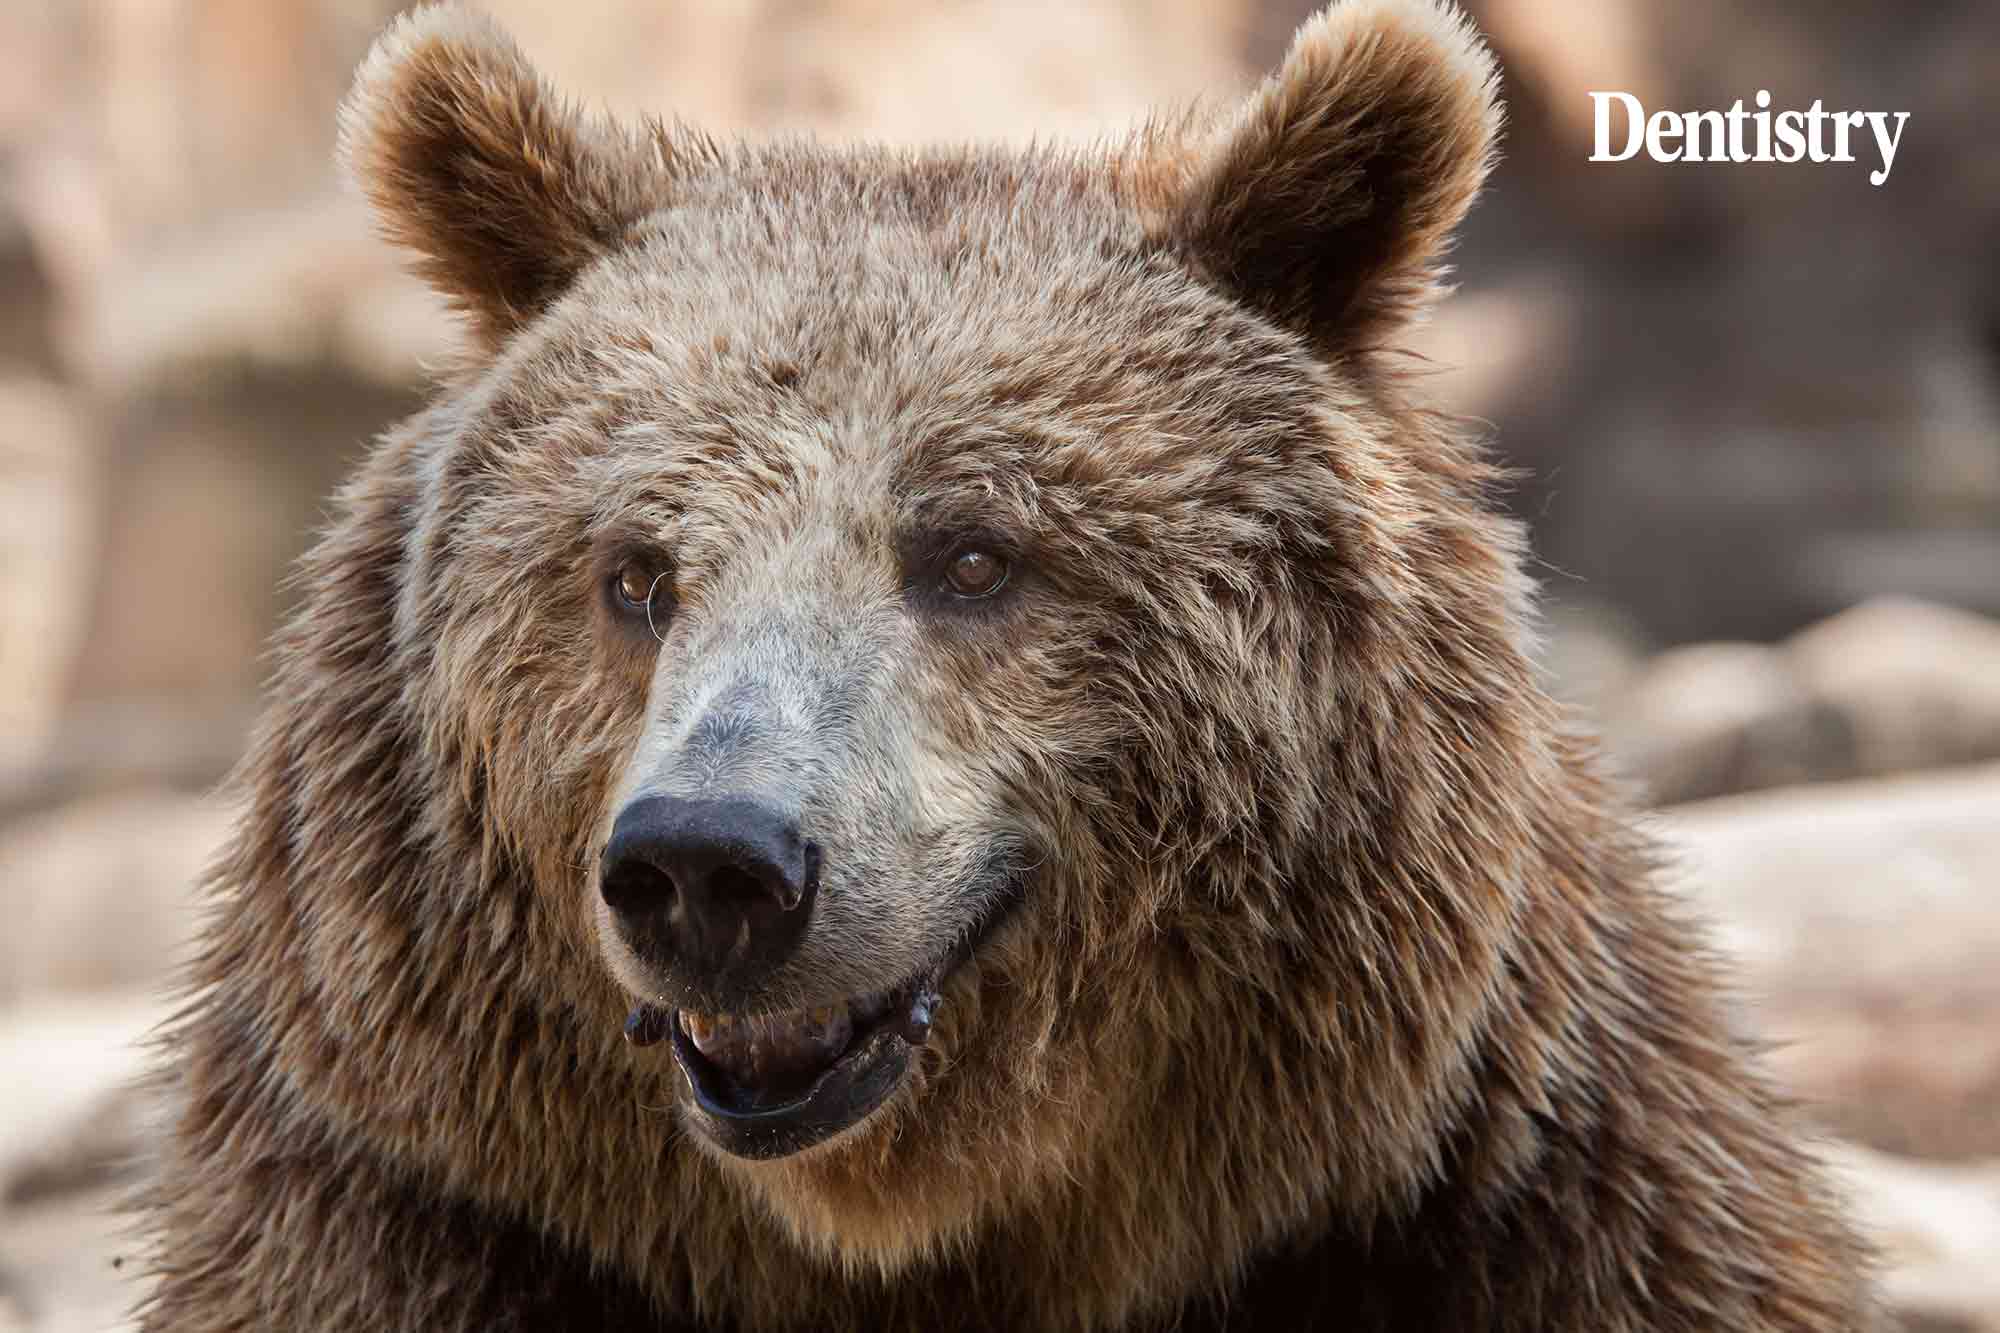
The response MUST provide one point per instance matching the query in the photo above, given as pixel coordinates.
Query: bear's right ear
(470, 160)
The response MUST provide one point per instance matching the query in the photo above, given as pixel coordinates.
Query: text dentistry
(1737, 135)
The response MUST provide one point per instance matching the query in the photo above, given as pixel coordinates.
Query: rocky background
(1756, 413)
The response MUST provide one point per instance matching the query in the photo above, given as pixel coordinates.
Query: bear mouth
(770, 1085)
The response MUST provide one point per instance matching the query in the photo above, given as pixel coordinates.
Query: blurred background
(1755, 410)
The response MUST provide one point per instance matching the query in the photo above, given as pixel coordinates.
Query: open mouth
(769, 1085)
(773, 1084)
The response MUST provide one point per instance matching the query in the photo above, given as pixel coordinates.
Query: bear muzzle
(713, 895)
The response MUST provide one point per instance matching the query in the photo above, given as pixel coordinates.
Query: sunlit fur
(1332, 940)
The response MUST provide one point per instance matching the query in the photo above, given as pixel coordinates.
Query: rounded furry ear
(504, 191)
(1327, 200)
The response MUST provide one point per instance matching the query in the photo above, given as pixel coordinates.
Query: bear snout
(715, 893)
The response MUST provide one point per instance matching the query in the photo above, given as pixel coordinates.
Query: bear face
(932, 623)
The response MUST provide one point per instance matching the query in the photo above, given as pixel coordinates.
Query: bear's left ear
(1327, 200)
(504, 191)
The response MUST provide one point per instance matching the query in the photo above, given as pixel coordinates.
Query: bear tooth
(696, 1025)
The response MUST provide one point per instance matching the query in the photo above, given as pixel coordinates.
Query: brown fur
(1340, 995)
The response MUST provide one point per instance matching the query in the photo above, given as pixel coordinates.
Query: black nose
(714, 892)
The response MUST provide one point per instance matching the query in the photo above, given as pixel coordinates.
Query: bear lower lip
(773, 1084)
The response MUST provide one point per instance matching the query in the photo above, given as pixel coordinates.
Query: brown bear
(934, 740)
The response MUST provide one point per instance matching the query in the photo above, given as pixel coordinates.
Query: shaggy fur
(1338, 993)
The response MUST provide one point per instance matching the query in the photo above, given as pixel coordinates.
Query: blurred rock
(69, 1265)
(99, 894)
(79, 1122)
(27, 290)
(1866, 924)
(239, 380)
(1716, 718)
(172, 747)
(212, 490)
(988, 68)
(1888, 687)
(48, 540)
(302, 289)
(1939, 1229)
(1918, 685)
(73, 1141)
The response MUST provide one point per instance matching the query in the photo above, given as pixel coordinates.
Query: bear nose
(714, 891)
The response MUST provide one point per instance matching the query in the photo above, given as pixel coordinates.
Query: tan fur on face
(1339, 977)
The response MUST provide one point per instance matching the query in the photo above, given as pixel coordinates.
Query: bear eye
(975, 574)
(632, 587)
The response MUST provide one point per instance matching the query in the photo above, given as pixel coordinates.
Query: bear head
(972, 644)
